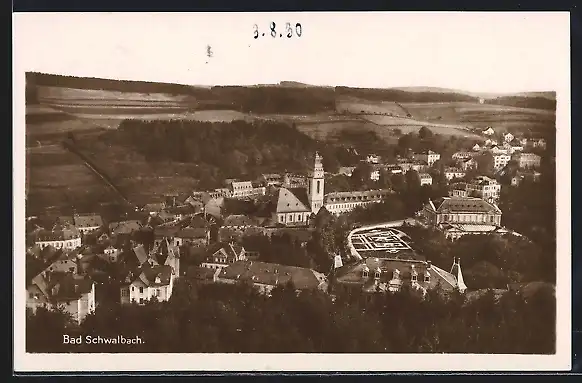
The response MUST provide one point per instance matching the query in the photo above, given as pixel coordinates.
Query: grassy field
(354, 105)
(58, 179)
(501, 118)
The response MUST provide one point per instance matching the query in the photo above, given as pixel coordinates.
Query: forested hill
(233, 149)
(398, 95)
(524, 102)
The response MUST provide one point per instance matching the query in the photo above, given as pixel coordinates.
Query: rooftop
(273, 274)
(88, 220)
(463, 204)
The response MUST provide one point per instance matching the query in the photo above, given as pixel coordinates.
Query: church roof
(292, 200)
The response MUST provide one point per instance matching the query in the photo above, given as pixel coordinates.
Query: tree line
(235, 318)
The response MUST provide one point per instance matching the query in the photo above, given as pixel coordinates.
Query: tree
(424, 133)
(485, 162)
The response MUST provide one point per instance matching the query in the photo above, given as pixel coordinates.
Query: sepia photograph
(391, 194)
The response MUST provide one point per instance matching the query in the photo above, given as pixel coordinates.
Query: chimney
(428, 265)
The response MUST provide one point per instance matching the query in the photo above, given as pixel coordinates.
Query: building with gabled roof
(222, 254)
(489, 131)
(147, 283)
(124, 227)
(292, 207)
(167, 254)
(86, 223)
(343, 202)
(371, 275)
(73, 293)
(61, 236)
(266, 276)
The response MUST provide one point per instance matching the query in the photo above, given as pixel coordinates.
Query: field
(331, 131)
(479, 116)
(58, 179)
(354, 105)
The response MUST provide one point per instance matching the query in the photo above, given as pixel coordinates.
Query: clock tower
(315, 185)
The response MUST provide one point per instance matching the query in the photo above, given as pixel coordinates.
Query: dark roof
(166, 231)
(157, 275)
(240, 220)
(201, 273)
(88, 220)
(60, 232)
(66, 286)
(232, 250)
(464, 204)
(272, 274)
(192, 232)
(291, 200)
(125, 227)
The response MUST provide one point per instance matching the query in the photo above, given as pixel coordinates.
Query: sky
(479, 52)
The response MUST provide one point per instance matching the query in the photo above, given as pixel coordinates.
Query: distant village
(89, 261)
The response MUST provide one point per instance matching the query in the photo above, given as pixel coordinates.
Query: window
(365, 273)
(414, 277)
(377, 275)
(141, 290)
(318, 186)
(124, 293)
(281, 218)
(140, 301)
(427, 277)
(132, 288)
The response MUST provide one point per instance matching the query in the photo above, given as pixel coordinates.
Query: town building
(292, 180)
(344, 202)
(457, 216)
(372, 159)
(489, 131)
(476, 147)
(125, 227)
(61, 236)
(490, 142)
(425, 179)
(243, 189)
(372, 275)
(266, 276)
(292, 206)
(500, 160)
(87, 223)
(418, 166)
(462, 155)
(508, 137)
(347, 170)
(375, 175)
(272, 179)
(528, 160)
(531, 175)
(539, 143)
(461, 210)
(469, 163)
(73, 293)
(147, 283)
(458, 189)
(429, 157)
(223, 254)
(451, 173)
(484, 187)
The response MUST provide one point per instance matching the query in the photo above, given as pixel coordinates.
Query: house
(192, 236)
(484, 187)
(148, 283)
(266, 276)
(539, 143)
(462, 214)
(222, 254)
(515, 146)
(346, 170)
(425, 179)
(529, 175)
(468, 164)
(392, 169)
(454, 231)
(372, 159)
(490, 142)
(167, 231)
(508, 137)
(500, 160)
(153, 208)
(343, 202)
(111, 254)
(451, 173)
(61, 236)
(476, 147)
(291, 180)
(372, 275)
(458, 189)
(528, 160)
(489, 131)
(220, 193)
(462, 155)
(523, 142)
(167, 254)
(418, 166)
(124, 227)
(429, 157)
(375, 175)
(272, 179)
(87, 223)
(72, 293)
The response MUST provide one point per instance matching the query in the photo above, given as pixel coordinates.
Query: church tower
(315, 185)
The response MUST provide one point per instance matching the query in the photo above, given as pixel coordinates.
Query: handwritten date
(289, 31)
